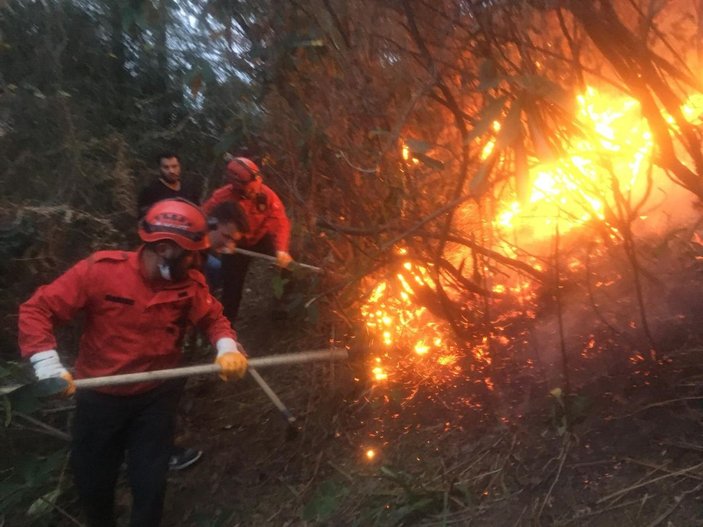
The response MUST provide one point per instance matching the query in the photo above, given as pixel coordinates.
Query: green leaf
(24, 400)
(27, 468)
(28, 398)
(10, 494)
(43, 504)
(279, 285)
(51, 464)
(324, 501)
(49, 387)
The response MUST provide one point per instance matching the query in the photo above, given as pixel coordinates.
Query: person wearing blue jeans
(228, 225)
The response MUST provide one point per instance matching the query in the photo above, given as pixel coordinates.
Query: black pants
(108, 426)
(234, 271)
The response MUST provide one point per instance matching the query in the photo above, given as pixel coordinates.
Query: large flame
(612, 151)
(615, 148)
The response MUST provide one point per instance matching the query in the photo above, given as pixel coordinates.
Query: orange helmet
(177, 220)
(241, 170)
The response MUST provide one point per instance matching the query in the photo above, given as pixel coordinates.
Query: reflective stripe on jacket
(130, 326)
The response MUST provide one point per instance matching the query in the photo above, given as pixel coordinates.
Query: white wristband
(47, 364)
(226, 345)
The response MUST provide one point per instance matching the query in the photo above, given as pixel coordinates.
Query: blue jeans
(213, 272)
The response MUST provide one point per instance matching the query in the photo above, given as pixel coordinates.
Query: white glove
(47, 364)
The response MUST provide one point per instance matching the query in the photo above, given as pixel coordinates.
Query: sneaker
(183, 458)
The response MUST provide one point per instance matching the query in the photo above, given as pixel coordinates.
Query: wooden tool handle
(270, 258)
(189, 371)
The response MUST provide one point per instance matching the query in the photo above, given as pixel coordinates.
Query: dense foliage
(383, 125)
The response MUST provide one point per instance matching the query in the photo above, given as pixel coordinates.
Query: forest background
(406, 138)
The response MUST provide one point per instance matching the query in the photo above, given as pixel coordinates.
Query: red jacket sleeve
(206, 314)
(278, 223)
(54, 303)
(220, 195)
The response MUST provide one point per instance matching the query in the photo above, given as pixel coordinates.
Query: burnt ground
(491, 446)
(631, 452)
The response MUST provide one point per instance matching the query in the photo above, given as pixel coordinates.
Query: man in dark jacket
(168, 185)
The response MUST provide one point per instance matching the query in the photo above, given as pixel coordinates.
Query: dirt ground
(465, 455)
(490, 446)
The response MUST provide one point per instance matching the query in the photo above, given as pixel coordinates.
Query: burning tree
(463, 161)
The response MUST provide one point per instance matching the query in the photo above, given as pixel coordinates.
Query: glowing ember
(446, 360)
(399, 326)
(692, 109)
(407, 155)
(421, 348)
(481, 352)
(379, 374)
(370, 454)
(487, 149)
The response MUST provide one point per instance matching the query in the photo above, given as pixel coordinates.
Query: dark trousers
(234, 271)
(108, 426)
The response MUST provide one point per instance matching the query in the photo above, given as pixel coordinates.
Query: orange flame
(615, 144)
(613, 149)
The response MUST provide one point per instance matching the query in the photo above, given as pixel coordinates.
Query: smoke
(617, 307)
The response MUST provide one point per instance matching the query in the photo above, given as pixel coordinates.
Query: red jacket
(265, 216)
(131, 325)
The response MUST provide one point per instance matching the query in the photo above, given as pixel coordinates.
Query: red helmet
(242, 170)
(177, 220)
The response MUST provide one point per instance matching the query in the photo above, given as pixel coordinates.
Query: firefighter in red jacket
(137, 306)
(269, 227)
